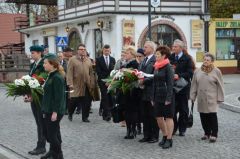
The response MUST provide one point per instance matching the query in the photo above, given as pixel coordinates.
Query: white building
(99, 22)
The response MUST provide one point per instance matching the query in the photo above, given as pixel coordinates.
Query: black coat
(163, 84)
(184, 68)
(38, 69)
(101, 67)
(148, 82)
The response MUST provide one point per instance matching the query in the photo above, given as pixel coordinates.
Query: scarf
(207, 69)
(161, 64)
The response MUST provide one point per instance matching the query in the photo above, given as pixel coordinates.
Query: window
(226, 40)
(163, 34)
(35, 42)
(74, 40)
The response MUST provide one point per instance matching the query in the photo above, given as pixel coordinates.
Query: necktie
(145, 61)
(106, 60)
(33, 68)
(176, 58)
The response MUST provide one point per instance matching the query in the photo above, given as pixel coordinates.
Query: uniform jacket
(54, 97)
(208, 89)
(163, 84)
(101, 67)
(78, 75)
(184, 68)
(38, 69)
(148, 82)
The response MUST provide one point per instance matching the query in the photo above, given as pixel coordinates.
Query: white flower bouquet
(26, 85)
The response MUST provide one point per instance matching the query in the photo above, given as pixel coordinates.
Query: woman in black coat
(129, 104)
(163, 95)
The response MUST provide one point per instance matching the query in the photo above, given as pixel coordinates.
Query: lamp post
(149, 20)
(206, 18)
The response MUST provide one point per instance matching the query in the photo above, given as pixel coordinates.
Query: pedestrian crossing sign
(61, 41)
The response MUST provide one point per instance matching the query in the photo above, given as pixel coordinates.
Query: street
(100, 139)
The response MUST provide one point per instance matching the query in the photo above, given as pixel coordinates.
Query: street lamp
(206, 18)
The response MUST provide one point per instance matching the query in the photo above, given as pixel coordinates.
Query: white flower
(27, 78)
(119, 75)
(113, 72)
(33, 83)
(19, 82)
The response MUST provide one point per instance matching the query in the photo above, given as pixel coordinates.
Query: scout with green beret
(53, 104)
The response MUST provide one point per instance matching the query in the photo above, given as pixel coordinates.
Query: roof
(39, 2)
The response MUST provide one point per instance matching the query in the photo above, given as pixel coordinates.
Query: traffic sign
(61, 41)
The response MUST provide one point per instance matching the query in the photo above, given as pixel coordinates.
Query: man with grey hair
(150, 127)
(183, 65)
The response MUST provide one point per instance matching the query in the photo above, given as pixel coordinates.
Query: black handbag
(179, 84)
(117, 114)
(190, 117)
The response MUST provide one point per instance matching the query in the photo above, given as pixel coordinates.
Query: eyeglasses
(139, 56)
(82, 49)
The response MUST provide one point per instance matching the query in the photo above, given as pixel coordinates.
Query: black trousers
(106, 100)
(52, 132)
(209, 123)
(181, 107)
(84, 102)
(150, 126)
(36, 110)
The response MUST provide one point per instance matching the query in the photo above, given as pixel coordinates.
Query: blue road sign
(61, 41)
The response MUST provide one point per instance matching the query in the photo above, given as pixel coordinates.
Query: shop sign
(128, 33)
(199, 56)
(49, 32)
(228, 24)
(197, 33)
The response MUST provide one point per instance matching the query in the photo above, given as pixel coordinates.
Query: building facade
(121, 23)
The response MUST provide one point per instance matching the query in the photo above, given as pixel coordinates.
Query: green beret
(36, 48)
(50, 56)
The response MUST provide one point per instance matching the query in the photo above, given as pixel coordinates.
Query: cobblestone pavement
(99, 139)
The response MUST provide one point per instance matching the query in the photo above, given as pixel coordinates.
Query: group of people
(74, 80)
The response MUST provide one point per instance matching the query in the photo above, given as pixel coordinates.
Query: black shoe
(86, 120)
(78, 112)
(161, 143)
(153, 140)
(144, 140)
(47, 155)
(70, 118)
(181, 133)
(107, 118)
(37, 151)
(167, 144)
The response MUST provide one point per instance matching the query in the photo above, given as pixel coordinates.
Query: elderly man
(150, 127)
(79, 71)
(37, 68)
(183, 65)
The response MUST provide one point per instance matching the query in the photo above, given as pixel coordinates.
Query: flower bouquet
(26, 85)
(124, 80)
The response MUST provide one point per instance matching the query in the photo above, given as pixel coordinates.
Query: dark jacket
(38, 69)
(184, 68)
(54, 97)
(163, 84)
(148, 82)
(64, 65)
(101, 68)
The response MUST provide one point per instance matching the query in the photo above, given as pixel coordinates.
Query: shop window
(226, 40)
(163, 34)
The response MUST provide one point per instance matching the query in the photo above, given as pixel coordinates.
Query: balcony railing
(128, 6)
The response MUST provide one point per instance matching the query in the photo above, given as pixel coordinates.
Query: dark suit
(184, 68)
(36, 109)
(103, 72)
(150, 127)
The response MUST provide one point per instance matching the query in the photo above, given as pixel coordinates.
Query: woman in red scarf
(163, 95)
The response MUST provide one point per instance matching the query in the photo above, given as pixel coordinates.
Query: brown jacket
(208, 88)
(78, 75)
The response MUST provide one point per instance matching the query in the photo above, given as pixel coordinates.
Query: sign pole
(149, 20)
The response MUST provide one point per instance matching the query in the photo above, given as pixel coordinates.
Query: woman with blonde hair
(53, 105)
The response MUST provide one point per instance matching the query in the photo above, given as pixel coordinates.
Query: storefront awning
(39, 2)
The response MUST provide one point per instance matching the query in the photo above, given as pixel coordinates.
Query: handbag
(190, 117)
(180, 84)
(117, 114)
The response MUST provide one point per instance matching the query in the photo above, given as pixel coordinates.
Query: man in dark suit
(37, 68)
(183, 65)
(150, 127)
(104, 65)
(62, 61)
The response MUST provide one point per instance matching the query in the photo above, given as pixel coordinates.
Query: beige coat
(78, 75)
(208, 88)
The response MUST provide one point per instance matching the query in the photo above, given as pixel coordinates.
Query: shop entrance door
(238, 53)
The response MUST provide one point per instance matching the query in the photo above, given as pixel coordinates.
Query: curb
(4, 154)
(232, 103)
